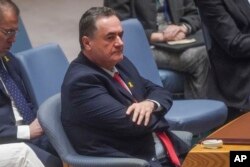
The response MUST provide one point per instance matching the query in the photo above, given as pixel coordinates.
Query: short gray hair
(8, 4)
(87, 24)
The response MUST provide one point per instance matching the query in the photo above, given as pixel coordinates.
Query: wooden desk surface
(204, 157)
(234, 132)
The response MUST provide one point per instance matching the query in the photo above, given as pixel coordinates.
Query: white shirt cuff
(23, 132)
(159, 107)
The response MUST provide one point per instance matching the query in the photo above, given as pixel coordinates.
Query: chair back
(49, 115)
(137, 50)
(200, 118)
(43, 69)
(22, 39)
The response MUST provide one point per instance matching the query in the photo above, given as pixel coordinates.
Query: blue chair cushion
(196, 116)
(43, 69)
(49, 115)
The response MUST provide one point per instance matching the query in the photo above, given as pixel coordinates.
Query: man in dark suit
(13, 127)
(228, 25)
(170, 20)
(101, 117)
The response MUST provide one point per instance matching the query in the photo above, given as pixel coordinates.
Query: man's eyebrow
(111, 33)
(114, 33)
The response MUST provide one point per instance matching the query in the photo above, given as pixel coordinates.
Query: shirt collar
(1, 61)
(111, 72)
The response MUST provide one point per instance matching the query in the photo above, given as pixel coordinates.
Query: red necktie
(169, 147)
(17, 96)
(162, 135)
(120, 81)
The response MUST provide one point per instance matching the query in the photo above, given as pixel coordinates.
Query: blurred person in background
(228, 25)
(18, 122)
(171, 20)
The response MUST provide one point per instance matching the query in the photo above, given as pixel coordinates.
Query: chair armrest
(49, 116)
(89, 161)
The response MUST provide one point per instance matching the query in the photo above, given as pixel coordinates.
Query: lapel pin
(130, 85)
(6, 59)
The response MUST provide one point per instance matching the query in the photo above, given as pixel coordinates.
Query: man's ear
(86, 42)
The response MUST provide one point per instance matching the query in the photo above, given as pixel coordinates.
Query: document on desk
(181, 42)
(235, 132)
(179, 46)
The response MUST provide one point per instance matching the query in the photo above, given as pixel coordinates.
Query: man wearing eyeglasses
(18, 122)
(8, 29)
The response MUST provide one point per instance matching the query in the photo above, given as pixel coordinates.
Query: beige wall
(55, 21)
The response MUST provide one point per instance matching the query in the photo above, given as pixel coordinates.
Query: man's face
(105, 48)
(8, 28)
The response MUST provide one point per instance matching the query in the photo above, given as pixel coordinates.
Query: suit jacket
(94, 106)
(181, 11)
(228, 24)
(8, 129)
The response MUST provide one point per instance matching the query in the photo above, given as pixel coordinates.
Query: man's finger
(141, 117)
(136, 114)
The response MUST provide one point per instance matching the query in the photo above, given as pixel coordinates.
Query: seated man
(171, 20)
(108, 109)
(18, 155)
(18, 120)
(229, 55)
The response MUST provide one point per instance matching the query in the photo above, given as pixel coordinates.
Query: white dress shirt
(23, 131)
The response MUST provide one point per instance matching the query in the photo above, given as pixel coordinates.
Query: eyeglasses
(8, 33)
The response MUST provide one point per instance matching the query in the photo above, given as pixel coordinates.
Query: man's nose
(119, 41)
(12, 39)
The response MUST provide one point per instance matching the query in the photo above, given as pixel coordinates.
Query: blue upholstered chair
(196, 116)
(49, 115)
(22, 39)
(43, 69)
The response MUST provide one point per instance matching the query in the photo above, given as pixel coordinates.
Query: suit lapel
(123, 90)
(84, 60)
(9, 64)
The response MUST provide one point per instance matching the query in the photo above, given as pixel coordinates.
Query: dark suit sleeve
(122, 7)
(224, 29)
(8, 133)
(159, 94)
(92, 104)
(8, 129)
(144, 11)
(190, 15)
